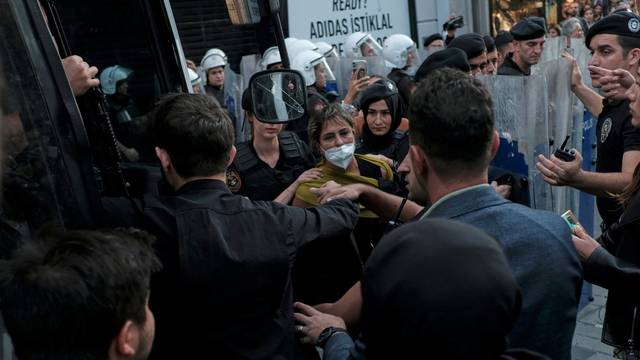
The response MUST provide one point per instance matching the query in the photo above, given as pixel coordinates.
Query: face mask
(340, 156)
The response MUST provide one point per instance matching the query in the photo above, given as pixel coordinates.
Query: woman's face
(335, 133)
(634, 106)
(265, 130)
(379, 118)
(321, 76)
(552, 33)
(597, 10)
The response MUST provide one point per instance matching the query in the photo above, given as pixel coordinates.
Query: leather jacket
(616, 267)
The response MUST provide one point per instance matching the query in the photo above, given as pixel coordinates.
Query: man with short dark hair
(85, 297)
(615, 44)
(504, 45)
(492, 55)
(225, 291)
(453, 139)
(473, 45)
(528, 35)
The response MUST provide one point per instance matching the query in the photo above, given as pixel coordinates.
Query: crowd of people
(369, 228)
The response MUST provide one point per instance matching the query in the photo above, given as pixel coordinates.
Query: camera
(563, 154)
(455, 23)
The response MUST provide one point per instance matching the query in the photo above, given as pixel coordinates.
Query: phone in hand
(571, 219)
(360, 68)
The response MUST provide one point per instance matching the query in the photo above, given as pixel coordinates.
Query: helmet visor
(369, 46)
(321, 67)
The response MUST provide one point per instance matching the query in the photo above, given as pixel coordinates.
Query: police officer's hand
(576, 75)
(81, 76)
(312, 322)
(559, 173)
(585, 244)
(615, 83)
(191, 65)
(503, 190)
(311, 174)
(331, 191)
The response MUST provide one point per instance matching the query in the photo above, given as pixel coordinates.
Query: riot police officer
(213, 64)
(272, 164)
(316, 73)
(360, 44)
(400, 54)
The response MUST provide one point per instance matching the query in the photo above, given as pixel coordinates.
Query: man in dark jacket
(528, 34)
(225, 290)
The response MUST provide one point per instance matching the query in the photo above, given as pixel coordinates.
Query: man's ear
(418, 160)
(163, 156)
(633, 57)
(495, 144)
(232, 154)
(127, 340)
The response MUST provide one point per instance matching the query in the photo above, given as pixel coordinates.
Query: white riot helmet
(306, 63)
(110, 77)
(299, 46)
(326, 50)
(213, 58)
(194, 78)
(398, 48)
(271, 57)
(289, 41)
(357, 41)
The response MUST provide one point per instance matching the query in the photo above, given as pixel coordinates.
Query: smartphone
(360, 68)
(571, 219)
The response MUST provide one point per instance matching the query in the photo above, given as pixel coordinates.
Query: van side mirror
(278, 96)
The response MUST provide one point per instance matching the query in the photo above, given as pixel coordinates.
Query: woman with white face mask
(332, 134)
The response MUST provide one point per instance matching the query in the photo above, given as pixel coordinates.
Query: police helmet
(213, 58)
(299, 46)
(194, 78)
(110, 76)
(326, 49)
(397, 50)
(355, 41)
(270, 57)
(306, 61)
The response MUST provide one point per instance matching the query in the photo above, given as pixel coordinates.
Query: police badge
(605, 130)
(233, 180)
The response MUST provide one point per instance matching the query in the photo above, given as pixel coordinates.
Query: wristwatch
(328, 333)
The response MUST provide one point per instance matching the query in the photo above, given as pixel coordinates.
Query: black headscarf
(386, 90)
(438, 289)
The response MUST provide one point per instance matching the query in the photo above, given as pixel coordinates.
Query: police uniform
(217, 93)
(614, 131)
(252, 177)
(615, 135)
(528, 28)
(405, 85)
(225, 289)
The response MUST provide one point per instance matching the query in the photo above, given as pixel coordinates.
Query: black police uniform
(615, 135)
(225, 288)
(255, 179)
(405, 85)
(509, 67)
(216, 92)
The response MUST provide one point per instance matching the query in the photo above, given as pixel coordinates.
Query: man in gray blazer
(453, 140)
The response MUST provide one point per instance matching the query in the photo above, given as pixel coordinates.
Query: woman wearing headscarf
(433, 288)
(382, 110)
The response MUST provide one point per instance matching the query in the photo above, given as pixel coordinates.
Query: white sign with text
(332, 21)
